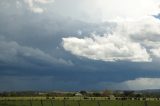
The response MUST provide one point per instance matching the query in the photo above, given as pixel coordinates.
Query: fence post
(21, 102)
(145, 103)
(128, 104)
(98, 103)
(79, 103)
(30, 102)
(5, 103)
(64, 103)
(122, 103)
(41, 103)
(51, 102)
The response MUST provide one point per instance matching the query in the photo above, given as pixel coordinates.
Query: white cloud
(136, 28)
(33, 6)
(133, 40)
(106, 48)
(37, 10)
(135, 37)
(142, 83)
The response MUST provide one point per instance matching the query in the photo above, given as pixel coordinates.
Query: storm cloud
(77, 45)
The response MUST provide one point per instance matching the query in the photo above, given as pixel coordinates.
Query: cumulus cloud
(34, 7)
(132, 40)
(144, 31)
(106, 48)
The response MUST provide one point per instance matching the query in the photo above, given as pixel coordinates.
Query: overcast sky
(79, 44)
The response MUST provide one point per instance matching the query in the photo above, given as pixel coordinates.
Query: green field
(78, 103)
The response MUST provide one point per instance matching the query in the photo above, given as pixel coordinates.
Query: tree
(107, 93)
(128, 93)
(96, 94)
(83, 92)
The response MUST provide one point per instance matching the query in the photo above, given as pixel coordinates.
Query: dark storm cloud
(37, 34)
(32, 56)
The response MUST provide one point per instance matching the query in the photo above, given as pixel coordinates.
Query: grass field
(78, 103)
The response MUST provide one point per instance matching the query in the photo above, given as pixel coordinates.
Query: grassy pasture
(77, 103)
(74, 101)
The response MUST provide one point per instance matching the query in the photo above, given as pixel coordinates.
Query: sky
(73, 45)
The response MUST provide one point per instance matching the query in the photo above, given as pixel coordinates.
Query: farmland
(74, 101)
(81, 98)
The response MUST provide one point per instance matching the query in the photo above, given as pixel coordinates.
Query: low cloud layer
(14, 53)
(142, 83)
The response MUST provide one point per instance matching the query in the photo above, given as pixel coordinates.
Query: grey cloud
(16, 83)
(44, 32)
(13, 53)
(31, 50)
